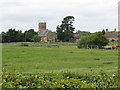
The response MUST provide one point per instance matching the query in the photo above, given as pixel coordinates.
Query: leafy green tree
(60, 33)
(83, 33)
(20, 36)
(36, 38)
(12, 36)
(4, 37)
(29, 34)
(65, 30)
(17, 36)
(93, 41)
(103, 31)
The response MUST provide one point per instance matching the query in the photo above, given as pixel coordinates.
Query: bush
(24, 44)
(95, 40)
(67, 80)
(36, 38)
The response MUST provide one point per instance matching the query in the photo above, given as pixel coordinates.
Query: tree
(20, 36)
(103, 31)
(36, 38)
(17, 36)
(29, 34)
(65, 30)
(93, 41)
(4, 37)
(60, 33)
(83, 33)
(12, 36)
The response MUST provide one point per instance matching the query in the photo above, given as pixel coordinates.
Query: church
(46, 34)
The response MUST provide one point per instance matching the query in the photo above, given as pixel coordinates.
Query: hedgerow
(67, 80)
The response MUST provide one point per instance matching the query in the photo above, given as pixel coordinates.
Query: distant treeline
(83, 33)
(17, 36)
(30, 35)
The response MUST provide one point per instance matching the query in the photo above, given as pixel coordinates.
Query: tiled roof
(112, 34)
(44, 33)
(76, 35)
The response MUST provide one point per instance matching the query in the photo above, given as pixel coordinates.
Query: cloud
(89, 14)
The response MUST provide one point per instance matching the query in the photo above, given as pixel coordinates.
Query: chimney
(106, 30)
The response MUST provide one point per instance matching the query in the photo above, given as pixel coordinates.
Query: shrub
(67, 80)
(24, 44)
(36, 38)
(95, 40)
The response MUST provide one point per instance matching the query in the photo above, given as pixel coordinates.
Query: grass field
(67, 57)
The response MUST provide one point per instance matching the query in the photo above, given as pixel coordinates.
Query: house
(112, 35)
(46, 34)
(76, 37)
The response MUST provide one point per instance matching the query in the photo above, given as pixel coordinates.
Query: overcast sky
(90, 15)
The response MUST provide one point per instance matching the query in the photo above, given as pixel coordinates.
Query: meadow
(57, 57)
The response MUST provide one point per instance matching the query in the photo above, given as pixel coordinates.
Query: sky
(90, 15)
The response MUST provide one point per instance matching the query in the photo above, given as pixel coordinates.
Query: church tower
(42, 26)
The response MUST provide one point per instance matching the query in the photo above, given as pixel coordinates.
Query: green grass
(40, 58)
